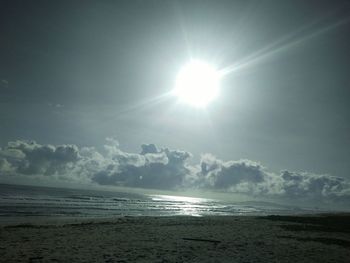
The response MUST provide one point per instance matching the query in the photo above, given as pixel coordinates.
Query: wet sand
(180, 239)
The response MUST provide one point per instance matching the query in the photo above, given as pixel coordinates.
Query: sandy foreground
(180, 239)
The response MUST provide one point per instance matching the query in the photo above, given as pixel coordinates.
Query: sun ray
(280, 45)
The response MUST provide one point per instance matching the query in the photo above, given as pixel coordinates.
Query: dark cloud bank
(165, 169)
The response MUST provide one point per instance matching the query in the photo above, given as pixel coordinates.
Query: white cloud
(163, 169)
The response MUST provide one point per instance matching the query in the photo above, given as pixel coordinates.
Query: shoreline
(62, 220)
(307, 238)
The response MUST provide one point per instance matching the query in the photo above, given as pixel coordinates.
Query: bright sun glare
(197, 84)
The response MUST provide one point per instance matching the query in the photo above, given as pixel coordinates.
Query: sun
(197, 84)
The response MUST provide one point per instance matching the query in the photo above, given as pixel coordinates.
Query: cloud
(248, 177)
(223, 175)
(5, 166)
(312, 185)
(31, 158)
(163, 168)
(152, 168)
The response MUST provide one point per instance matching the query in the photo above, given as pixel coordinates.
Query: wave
(46, 201)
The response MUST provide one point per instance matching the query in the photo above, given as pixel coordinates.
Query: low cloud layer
(162, 168)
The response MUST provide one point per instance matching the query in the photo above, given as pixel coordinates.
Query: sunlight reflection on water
(192, 206)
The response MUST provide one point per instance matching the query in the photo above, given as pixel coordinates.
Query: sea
(20, 201)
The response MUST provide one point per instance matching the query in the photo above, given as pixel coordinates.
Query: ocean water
(27, 201)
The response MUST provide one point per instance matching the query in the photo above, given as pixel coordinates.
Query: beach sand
(180, 239)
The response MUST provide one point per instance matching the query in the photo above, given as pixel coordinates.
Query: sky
(84, 95)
